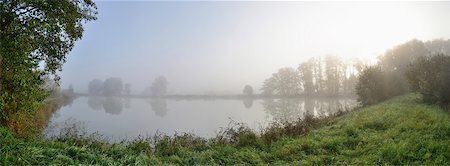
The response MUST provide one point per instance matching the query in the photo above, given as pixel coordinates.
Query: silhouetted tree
(112, 86)
(95, 87)
(248, 90)
(159, 86)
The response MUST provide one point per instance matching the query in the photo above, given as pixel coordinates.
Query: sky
(219, 47)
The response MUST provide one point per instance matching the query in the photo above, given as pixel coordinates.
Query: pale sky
(222, 46)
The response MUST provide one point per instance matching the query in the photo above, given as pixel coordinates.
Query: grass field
(398, 131)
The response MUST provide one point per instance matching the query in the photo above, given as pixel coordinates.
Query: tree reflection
(248, 102)
(283, 109)
(111, 105)
(127, 102)
(95, 102)
(291, 109)
(159, 106)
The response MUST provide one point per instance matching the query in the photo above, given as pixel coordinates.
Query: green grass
(398, 131)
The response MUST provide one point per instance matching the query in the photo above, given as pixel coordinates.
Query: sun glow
(366, 30)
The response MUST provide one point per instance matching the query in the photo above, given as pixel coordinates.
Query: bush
(371, 86)
(430, 76)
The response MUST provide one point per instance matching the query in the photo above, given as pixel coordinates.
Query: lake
(119, 118)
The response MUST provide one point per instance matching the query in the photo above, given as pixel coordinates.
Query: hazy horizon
(219, 47)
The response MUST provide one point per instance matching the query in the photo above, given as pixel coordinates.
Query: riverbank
(399, 131)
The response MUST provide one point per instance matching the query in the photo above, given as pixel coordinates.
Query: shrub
(371, 86)
(430, 76)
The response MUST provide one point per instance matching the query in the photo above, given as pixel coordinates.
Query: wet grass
(398, 131)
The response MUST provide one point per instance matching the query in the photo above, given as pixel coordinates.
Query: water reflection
(95, 102)
(141, 116)
(159, 106)
(292, 109)
(111, 105)
(248, 102)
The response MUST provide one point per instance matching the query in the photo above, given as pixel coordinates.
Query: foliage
(329, 76)
(35, 37)
(371, 86)
(387, 79)
(112, 86)
(286, 82)
(248, 90)
(400, 131)
(95, 87)
(430, 76)
(159, 86)
(394, 64)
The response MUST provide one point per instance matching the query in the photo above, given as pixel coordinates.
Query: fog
(219, 47)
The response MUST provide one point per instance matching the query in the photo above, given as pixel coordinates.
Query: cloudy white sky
(221, 46)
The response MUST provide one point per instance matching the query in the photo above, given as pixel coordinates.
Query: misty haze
(224, 83)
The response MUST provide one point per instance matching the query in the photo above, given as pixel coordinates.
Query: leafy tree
(159, 86)
(95, 87)
(395, 62)
(430, 76)
(112, 86)
(370, 87)
(248, 90)
(334, 74)
(318, 75)
(306, 75)
(34, 34)
(285, 82)
(438, 46)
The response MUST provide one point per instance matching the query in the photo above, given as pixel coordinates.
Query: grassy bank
(398, 131)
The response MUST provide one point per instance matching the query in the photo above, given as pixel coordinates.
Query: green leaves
(34, 34)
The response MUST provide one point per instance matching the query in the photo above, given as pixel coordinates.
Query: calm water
(126, 118)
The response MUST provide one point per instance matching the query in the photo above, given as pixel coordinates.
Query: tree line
(414, 66)
(114, 86)
(328, 76)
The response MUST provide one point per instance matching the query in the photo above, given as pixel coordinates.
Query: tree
(248, 90)
(95, 87)
(370, 87)
(159, 86)
(285, 82)
(112, 86)
(34, 34)
(318, 75)
(334, 74)
(438, 46)
(395, 62)
(306, 76)
(430, 76)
